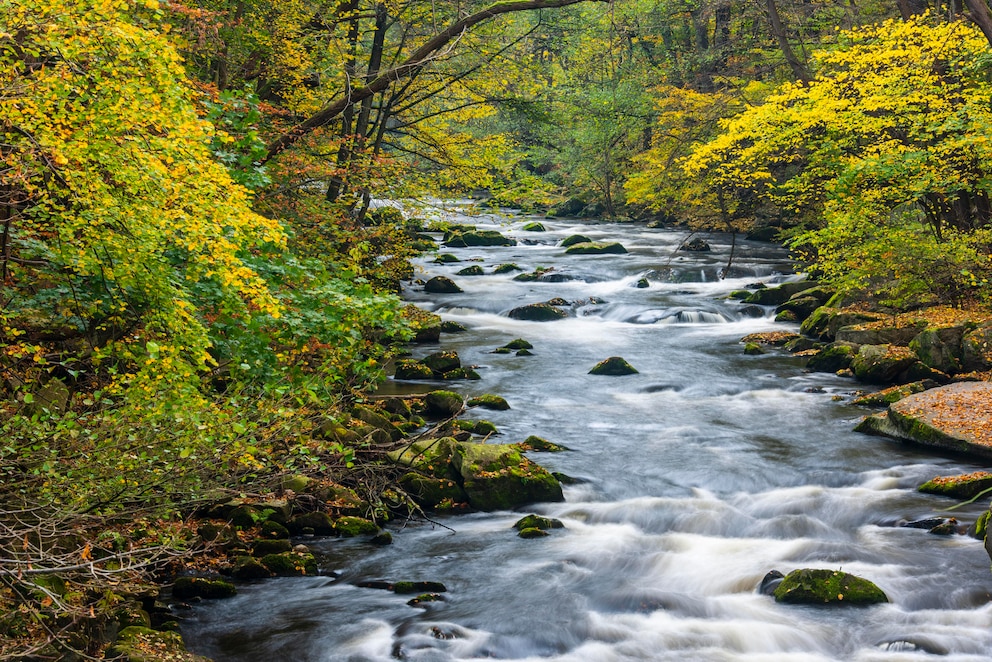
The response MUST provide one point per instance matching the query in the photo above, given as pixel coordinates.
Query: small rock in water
(614, 366)
(441, 285)
(770, 582)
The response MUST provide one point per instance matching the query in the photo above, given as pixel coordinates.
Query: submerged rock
(596, 248)
(830, 587)
(614, 366)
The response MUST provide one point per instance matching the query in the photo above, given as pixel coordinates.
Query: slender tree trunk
(778, 31)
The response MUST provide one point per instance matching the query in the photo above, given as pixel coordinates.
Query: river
(697, 476)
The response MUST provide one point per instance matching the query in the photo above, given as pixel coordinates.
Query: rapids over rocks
(697, 476)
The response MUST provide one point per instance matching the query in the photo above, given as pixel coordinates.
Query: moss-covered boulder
(142, 644)
(614, 366)
(350, 527)
(965, 486)
(446, 258)
(774, 296)
(827, 587)
(489, 401)
(442, 362)
(441, 285)
(474, 270)
(478, 238)
(430, 492)
(570, 207)
(443, 403)
(290, 564)
(939, 348)
(596, 248)
(534, 226)
(498, 477)
(538, 312)
(426, 326)
(411, 369)
(506, 267)
(695, 245)
(265, 547)
(882, 364)
(753, 349)
(798, 308)
(518, 343)
(317, 523)
(955, 417)
(376, 420)
(892, 394)
(532, 532)
(431, 457)
(574, 239)
(833, 357)
(540, 444)
(461, 373)
(826, 321)
(249, 567)
(481, 427)
(448, 326)
(538, 522)
(210, 588)
(976, 350)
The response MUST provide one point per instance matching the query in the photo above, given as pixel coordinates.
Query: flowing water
(697, 476)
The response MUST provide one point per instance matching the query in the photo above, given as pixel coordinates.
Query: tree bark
(421, 57)
(778, 30)
(978, 11)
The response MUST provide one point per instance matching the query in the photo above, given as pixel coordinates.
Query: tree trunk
(778, 31)
(978, 11)
(417, 60)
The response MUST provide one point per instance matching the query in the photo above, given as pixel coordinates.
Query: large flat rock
(957, 417)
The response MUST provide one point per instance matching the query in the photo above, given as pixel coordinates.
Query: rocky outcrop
(957, 417)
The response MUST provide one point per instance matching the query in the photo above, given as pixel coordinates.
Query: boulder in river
(827, 587)
(444, 403)
(957, 417)
(596, 248)
(573, 239)
(695, 245)
(966, 486)
(775, 296)
(615, 366)
(538, 312)
(882, 364)
(478, 238)
(442, 362)
(441, 285)
(534, 226)
(412, 369)
(833, 357)
(538, 522)
(474, 270)
(498, 477)
(489, 401)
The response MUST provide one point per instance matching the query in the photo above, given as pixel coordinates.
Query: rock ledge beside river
(957, 417)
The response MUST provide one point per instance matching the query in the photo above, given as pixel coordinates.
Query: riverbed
(694, 478)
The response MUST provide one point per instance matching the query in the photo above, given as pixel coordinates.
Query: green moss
(266, 547)
(350, 527)
(461, 373)
(142, 644)
(489, 401)
(574, 239)
(596, 248)
(534, 227)
(538, 312)
(446, 258)
(753, 348)
(474, 270)
(506, 268)
(967, 486)
(535, 443)
(532, 532)
(412, 369)
(538, 522)
(290, 564)
(443, 403)
(203, 587)
(614, 366)
(827, 587)
(247, 567)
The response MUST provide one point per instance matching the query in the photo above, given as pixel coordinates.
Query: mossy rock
(249, 567)
(882, 364)
(210, 588)
(786, 316)
(574, 239)
(430, 492)
(535, 443)
(489, 401)
(834, 357)
(442, 362)
(534, 226)
(478, 238)
(614, 366)
(739, 294)
(498, 477)
(506, 268)
(538, 522)
(518, 343)
(453, 327)
(446, 258)
(596, 248)
(695, 245)
(426, 326)
(642, 283)
(532, 532)
(441, 285)
(411, 369)
(826, 321)
(265, 547)
(892, 394)
(775, 296)
(802, 344)
(317, 523)
(979, 530)
(349, 527)
(524, 352)
(474, 270)
(296, 483)
(290, 564)
(461, 373)
(376, 420)
(827, 587)
(538, 312)
(142, 644)
(397, 407)
(939, 348)
(425, 598)
(976, 350)
(382, 539)
(799, 308)
(963, 487)
(753, 349)
(570, 207)
(481, 427)
(431, 457)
